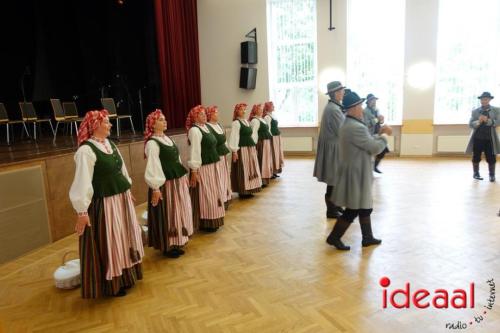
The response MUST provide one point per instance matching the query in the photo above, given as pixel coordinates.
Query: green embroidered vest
(245, 136)
(108, 179)
(264, 131)
(274, 127)
(209, 153)
(221, 141)
(170, 164)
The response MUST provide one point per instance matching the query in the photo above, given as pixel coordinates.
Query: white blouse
(255, 123)
(268, 119)
(154, 175)
(234, 137)
(81, 190)
(195, 136)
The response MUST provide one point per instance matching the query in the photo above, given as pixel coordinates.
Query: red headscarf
(90, 123)
(150, 125)
(268, 108)
(192, 115)
(237, 108)
(253, 114)
(211, 110)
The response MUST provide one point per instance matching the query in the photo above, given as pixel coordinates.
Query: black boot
(366, 231)
(491, 169)
(475, 167)
(337, 232)
(375, 165)
(332, 211)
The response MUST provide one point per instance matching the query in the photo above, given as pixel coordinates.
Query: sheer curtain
(292, 61)
(468, 57)
(375, 53)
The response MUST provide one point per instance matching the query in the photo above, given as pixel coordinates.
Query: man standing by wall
(327, 153)
(484, 138)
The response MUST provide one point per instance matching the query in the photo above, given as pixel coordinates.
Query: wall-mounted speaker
(248, 52)
(248, 77)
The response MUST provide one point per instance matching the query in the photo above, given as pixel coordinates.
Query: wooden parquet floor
(270, 270)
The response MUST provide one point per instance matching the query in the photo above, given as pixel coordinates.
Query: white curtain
(375, 53)
(468, 57)
(292, 61)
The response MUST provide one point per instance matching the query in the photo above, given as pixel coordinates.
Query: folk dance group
(353, 141)
(347, 142)
(180, 201)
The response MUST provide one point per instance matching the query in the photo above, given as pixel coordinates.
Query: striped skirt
(265, 157)
(170, 223)
(207, 198)
(111, 248)
(225, 180)
(278, 156)
(245, 172)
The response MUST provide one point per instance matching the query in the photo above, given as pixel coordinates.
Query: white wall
(223, 24)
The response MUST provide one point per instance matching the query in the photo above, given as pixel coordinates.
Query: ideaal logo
(439, 299)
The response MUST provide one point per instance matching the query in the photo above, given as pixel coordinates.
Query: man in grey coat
(327, 153)
(374, 120)
(484, 138)
(353, 186)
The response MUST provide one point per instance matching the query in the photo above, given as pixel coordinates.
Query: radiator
(452, 143)
(390, 143)
(298, 144)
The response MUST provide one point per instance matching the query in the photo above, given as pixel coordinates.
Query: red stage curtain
(178, 57)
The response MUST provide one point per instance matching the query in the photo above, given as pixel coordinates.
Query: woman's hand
(235, 157)
(81, 222)
(157, 196)
(194, 179)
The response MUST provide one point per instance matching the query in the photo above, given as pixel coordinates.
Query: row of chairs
(64, 113)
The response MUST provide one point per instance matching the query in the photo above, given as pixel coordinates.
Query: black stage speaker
(248, 76)
(248, 52)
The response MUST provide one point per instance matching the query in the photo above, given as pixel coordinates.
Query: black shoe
(120, 293)
(274, 176)
(211, 230)
(246, 196)
(377, 170)
(179, 251)
(477, 176)
(171, 254)
(331, 240)
(492, 178)
(335, 214)
(370, 241)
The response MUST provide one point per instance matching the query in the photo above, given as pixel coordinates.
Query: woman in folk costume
(111, 247)
(170, 219)
(206, 193)
(276, 143)
(222, 149)
(245, 172)
(261, 134)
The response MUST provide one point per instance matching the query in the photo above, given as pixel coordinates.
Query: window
(291, 27)
(375, 53)
(468, 57)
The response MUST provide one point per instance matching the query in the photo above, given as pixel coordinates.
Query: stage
(36, 177)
